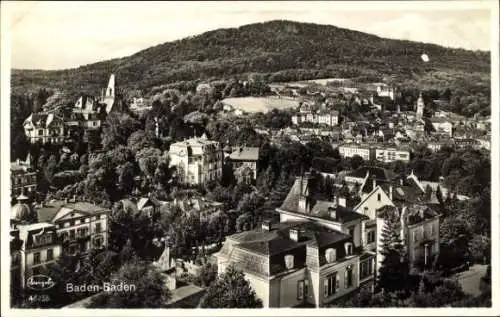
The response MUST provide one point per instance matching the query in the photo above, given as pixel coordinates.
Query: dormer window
(289, 261)
(330, 255)
(348, 248)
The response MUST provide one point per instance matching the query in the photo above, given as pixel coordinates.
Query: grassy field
(261, 104)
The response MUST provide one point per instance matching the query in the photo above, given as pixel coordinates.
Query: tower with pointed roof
(420, 106)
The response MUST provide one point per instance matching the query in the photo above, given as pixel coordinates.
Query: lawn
(261, 104)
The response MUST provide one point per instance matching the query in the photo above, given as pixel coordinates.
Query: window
(40, 132)
(36, 258)
(50, 255)
(72, 234)
(371, 237)
(431, 230)
(349, 276)
(331, 284)
(300, 290)
(98, 227)
(98, 242)
(306, 288)
(348, 249)
(379, 197)
(366, 269)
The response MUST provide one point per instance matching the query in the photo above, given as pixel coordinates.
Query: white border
(391, 5)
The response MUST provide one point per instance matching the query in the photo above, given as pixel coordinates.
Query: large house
(38, 248)
(44, 127)
(297, 264)
(314, 256)
(198, 160)
(244, 162)
(22, 177)
(81, 225)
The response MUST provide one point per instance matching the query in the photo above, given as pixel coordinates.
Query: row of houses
(376, 151)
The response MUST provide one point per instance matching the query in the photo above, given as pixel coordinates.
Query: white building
(198, 160)
(391, 154)
(442, 125)
(45, 128)
(351, 149)
(82, 225)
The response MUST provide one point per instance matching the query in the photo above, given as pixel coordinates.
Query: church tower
(420, 106)
(109, 95)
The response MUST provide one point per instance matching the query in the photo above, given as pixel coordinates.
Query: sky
(58, 35)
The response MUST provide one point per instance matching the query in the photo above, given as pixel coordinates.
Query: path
(470, 280)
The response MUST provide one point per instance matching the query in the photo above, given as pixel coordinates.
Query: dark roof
(414, 213)
(49, 210)
(277, 239)
(318, 208)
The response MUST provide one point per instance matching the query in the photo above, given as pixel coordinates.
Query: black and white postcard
(249, 158)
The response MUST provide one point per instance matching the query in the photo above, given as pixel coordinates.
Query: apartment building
(366, 151)
(82, 225)
(388, 154)
(198, 160)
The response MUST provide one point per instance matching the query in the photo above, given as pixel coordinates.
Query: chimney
(266, 225)
(401, 181)
(74, 198)
(342, 202)
(390, 192)
(294, 235)
(17, 161)
(374, 183)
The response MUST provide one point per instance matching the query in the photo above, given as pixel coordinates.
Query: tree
(141, 139)
(231, 290)
(117, 129)
(149, 290)
(394, 270)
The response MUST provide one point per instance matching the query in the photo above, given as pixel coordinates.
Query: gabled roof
(50, 210)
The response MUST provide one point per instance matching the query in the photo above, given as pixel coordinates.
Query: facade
(198, 160)
(419, 233)
(81, 225)
(366, 152)
(391, 154)
(329, 118)
(45, 128)
(39, 248)
(385, 91)
(22, 177)
(244, 162)
(294, 264)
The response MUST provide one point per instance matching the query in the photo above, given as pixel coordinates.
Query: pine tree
(231, 290)
(394, 270)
